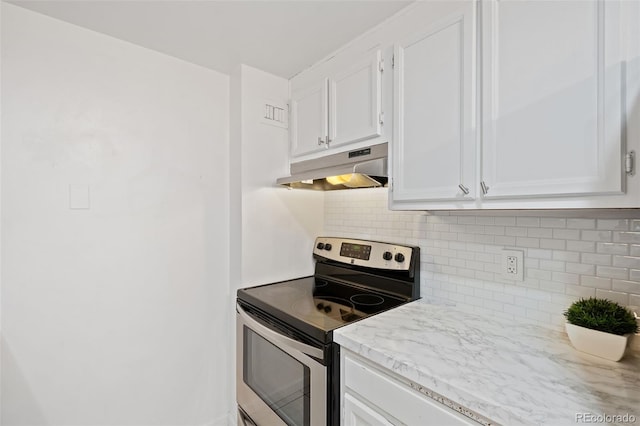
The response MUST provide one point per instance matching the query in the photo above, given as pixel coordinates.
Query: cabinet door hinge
(630, 163)
(381, 65)
(381, 118)
(393, 61)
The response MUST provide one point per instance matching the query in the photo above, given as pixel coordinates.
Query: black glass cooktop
(317, 305)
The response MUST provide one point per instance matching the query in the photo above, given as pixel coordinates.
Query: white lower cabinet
(358, 413)
(373, 396)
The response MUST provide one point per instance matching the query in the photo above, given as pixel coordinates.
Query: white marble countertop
(511, 373)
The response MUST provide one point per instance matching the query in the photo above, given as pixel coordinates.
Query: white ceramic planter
(598, 343)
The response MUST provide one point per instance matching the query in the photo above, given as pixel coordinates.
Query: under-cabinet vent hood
(361, 168)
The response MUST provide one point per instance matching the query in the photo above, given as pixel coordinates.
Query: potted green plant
(600, 327)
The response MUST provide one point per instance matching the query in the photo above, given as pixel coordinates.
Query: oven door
(278, 380)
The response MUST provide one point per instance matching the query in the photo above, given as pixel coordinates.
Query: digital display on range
(355, 251)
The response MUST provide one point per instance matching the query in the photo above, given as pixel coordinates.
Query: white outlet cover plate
(519, 255)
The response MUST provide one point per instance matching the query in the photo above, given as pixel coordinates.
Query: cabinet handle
(320, 141)
(484, 188)
(464, 189)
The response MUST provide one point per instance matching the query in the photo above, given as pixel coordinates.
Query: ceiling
(281, 37)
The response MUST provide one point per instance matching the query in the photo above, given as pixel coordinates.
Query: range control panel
(372, 254)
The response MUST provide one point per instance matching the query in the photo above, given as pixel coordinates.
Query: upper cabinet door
(309, 119)
(552, 98)
(355, 102)
(434, 151)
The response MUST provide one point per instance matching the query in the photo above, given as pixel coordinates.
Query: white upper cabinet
(355, 102)
(309, 119)
(552, 94)
(344, 108)
(434, 143)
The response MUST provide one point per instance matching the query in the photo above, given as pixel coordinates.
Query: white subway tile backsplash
(528, 221)
(547, 222)
(528, 242)
(566, 234)
(613, 224)
(626, 286)
(540, 232)
(552, 265)
(540, 254)
(612, 272)
(614, 296)
(516, 232)
(567, 257)
(596, 259)
(505, 241)
(582, 246)
(612, 248)
(505, 221)
(603, 236)
(552, 286)
(595, 282)
(581, 268)
(581, 223)
(566, 278)
(626, 237)
(626, 261)
(582, 292)
(552, 244)
(485, 220)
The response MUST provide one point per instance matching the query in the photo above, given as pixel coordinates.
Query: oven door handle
(277, 337)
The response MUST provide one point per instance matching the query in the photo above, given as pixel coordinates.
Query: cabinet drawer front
(398, 400)
(358, 413)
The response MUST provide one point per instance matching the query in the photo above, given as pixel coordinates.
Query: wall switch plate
(275, 113)
(513, 265)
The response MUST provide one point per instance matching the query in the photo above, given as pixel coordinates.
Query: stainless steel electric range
(287, 364)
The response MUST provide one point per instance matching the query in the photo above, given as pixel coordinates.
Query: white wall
(568, 254)
(272, 228)
(279, 225)
(111, 315)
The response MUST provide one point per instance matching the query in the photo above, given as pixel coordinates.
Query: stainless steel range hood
(360, 168)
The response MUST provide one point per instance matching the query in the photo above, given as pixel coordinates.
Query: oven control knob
(327, 309)
(320, 246)
(327, 247)
(387, 255)
(399, 257)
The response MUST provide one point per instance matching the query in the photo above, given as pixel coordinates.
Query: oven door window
(280, 380)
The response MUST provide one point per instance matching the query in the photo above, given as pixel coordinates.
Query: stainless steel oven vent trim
(368, 165)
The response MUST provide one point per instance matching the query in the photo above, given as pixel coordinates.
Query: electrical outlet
(513, 265)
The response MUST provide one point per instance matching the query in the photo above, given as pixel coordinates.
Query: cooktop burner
(367, 299)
